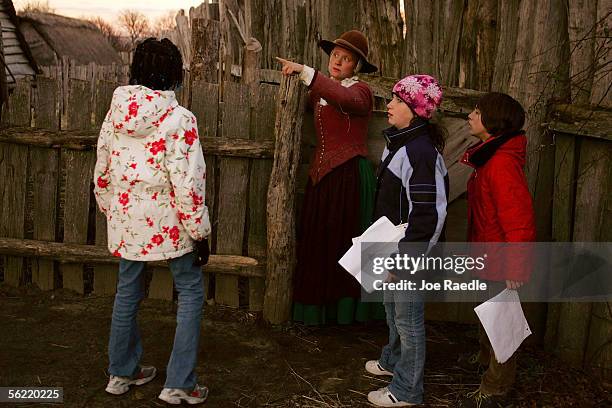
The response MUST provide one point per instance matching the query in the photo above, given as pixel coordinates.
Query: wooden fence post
(13, 170)
(204, 78)
(281, 201)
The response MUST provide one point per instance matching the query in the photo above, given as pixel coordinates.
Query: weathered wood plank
(81, 140)
(281, 202)
(478, 45)
(79, 171)
(105, 276)
(564, 187)
(44, 170)
(79, 105)
(46, 104)
(593, 198)
(205, 42)
(507, 30)
(250, 75)
(18, 105)
(262, 128)
(162, 284)
(13, 165)
(574, 321)
(581, 120)
(76, 253)
(205, 106)
(102, 99)
(563, 218)
(233, 183)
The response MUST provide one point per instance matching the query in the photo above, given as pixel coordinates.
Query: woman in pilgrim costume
(339, 196)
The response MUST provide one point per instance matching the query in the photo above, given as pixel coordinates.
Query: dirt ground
(59, 339)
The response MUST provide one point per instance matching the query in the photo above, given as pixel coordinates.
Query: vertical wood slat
(103, 95)
(205, 107)
(593, 198)
(79, 109)
(563, 216)
(204, 88)
(575, 318)
(162, 285)
(18, 108)
(262, 128)
(233, 182)
(105, 276)
(46, 104)
(44, 170)
(79, 171)
(13, 163)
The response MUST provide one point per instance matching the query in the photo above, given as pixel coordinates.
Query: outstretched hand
(290, 67)
(513, 285)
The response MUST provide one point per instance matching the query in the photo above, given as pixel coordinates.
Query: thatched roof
(51, 36)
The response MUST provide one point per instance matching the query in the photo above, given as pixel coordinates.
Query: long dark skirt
(330, 219)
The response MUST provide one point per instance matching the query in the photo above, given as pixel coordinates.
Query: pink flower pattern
(128, 177)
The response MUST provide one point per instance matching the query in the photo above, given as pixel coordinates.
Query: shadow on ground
(59, 339)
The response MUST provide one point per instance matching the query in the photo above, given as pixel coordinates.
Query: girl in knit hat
(339, 194)
(412, 187)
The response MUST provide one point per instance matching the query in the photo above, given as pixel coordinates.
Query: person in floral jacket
(150, 180)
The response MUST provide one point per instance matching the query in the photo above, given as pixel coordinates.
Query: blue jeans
(404, 356)
(125, 346)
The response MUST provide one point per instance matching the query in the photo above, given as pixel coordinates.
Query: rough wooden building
(17, 58)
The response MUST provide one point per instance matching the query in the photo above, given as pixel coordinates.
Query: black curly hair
(157, 64)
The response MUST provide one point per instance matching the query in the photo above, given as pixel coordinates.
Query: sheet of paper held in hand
(382, 230)
(504, 321)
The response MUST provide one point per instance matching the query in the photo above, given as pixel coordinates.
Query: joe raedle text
(446, 285)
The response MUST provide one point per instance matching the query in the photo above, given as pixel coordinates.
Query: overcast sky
(108, 9)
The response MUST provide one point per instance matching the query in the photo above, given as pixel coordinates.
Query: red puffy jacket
(500, 207)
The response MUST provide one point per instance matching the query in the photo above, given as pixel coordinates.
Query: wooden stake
(281, 201)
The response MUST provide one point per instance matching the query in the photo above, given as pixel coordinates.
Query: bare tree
(108, 31)
(135, 23)
(36, 6)
(164, 23)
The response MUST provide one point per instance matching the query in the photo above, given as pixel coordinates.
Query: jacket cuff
(307, 75)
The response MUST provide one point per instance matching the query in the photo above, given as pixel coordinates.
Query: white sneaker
(374, 367)
(120, 385)
(384, 398)
(176, 395)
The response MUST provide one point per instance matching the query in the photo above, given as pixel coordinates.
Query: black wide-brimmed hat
(353, 41)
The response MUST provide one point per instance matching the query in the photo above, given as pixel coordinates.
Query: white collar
(347, 83)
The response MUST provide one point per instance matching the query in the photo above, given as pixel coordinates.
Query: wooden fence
(581, 333)
(49, 152)
(47, 191)
(53, 236)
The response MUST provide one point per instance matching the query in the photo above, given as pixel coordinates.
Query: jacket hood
(511, 143)
(138, 111)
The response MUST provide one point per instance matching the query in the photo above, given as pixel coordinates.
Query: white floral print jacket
(150, 176)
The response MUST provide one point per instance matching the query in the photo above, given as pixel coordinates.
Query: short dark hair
(157, 65)
(500, 113)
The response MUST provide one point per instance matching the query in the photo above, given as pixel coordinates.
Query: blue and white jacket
(412, 185)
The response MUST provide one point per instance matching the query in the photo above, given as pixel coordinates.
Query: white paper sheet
(504, 321)
(382, 230)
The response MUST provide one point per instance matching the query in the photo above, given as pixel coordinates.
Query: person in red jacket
(339, 196)
(500, 209)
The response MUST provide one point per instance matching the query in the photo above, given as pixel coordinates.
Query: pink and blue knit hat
(421, 92)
